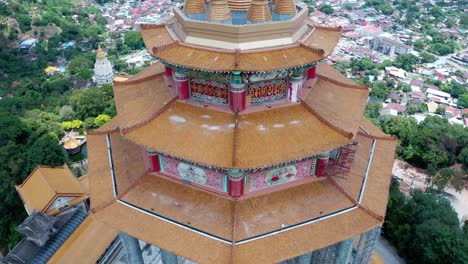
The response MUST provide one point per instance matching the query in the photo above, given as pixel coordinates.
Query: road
(388, 253)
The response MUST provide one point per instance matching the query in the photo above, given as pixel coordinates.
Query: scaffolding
(341, 164)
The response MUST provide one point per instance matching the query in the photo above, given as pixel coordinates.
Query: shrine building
(240, 144)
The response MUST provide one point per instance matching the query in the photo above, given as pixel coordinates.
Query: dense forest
(425, 229)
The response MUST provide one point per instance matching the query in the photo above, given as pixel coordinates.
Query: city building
(103, 72)
(239, 145)
(388, 46)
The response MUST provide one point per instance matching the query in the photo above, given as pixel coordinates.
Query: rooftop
(45, 184)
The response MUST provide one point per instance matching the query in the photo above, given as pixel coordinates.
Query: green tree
(81, 67)
(427, 58)
(92, 102)
(101, 120)
(406, 61)
(133, 40)
(327, 9)
(463, 101)
(373, 110)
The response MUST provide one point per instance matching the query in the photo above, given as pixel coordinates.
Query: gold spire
(259, 11)
(219, 11)
(194, 6)
(100, 54)
(285, 7)
(239, 5)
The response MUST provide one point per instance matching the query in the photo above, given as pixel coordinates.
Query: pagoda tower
(240, 145)
(103, 72)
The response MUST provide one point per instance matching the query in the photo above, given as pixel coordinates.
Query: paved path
(388, 253)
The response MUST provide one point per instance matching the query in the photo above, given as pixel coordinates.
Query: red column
(182, 85)
(168, 71)
(312, 72)
(322, 163)
(237, 94)
(154, 162)
(236, 183)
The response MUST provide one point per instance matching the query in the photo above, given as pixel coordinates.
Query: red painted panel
(182, 87)
(155, 163)
(321, 166)
(237, 101)
(236, 188)
(312, 72)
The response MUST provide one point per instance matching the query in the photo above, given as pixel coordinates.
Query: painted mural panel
(268, 91)
(273, 177)
(193, 174)
(209, 91)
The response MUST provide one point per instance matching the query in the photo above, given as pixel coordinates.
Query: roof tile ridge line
(45, 178)
(151, 118)
(103, 206)
(325, 121)
(100, 133)
(120, 195)
(316, 50)
(164, 47)
(345, 85)
(236, 139)
(308, 35)
(137, 81)
(237, 59)
(234, 232)
(44, 210)
(152, 26)
(354, 201)
(29, 176)
(390, 138)
(328, 28)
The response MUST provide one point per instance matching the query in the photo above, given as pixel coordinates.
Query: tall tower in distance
(103, 72)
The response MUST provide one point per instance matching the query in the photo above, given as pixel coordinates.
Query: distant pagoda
(239, 145)
(103, 72)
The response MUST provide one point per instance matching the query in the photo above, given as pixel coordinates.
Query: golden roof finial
(285, 7)
(259, 11)
(100, 54)
(194, 6)
(239, 5)
(219, 11)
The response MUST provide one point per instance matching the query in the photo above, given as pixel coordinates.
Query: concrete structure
(388, 46)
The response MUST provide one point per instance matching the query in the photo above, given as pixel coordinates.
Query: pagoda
(103, 73)
(240, 145)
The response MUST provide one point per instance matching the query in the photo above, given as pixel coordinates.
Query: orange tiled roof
(239, 5)
(328, 118)
(167, 211)
(161, 44)
(138, 99)
(340, 103)
(219, 11)
(45, 184)
(86, 244)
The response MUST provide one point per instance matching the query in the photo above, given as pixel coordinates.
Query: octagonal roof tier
(214, 46)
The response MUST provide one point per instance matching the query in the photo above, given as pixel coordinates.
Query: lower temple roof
(207, 228)
(328, 117)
